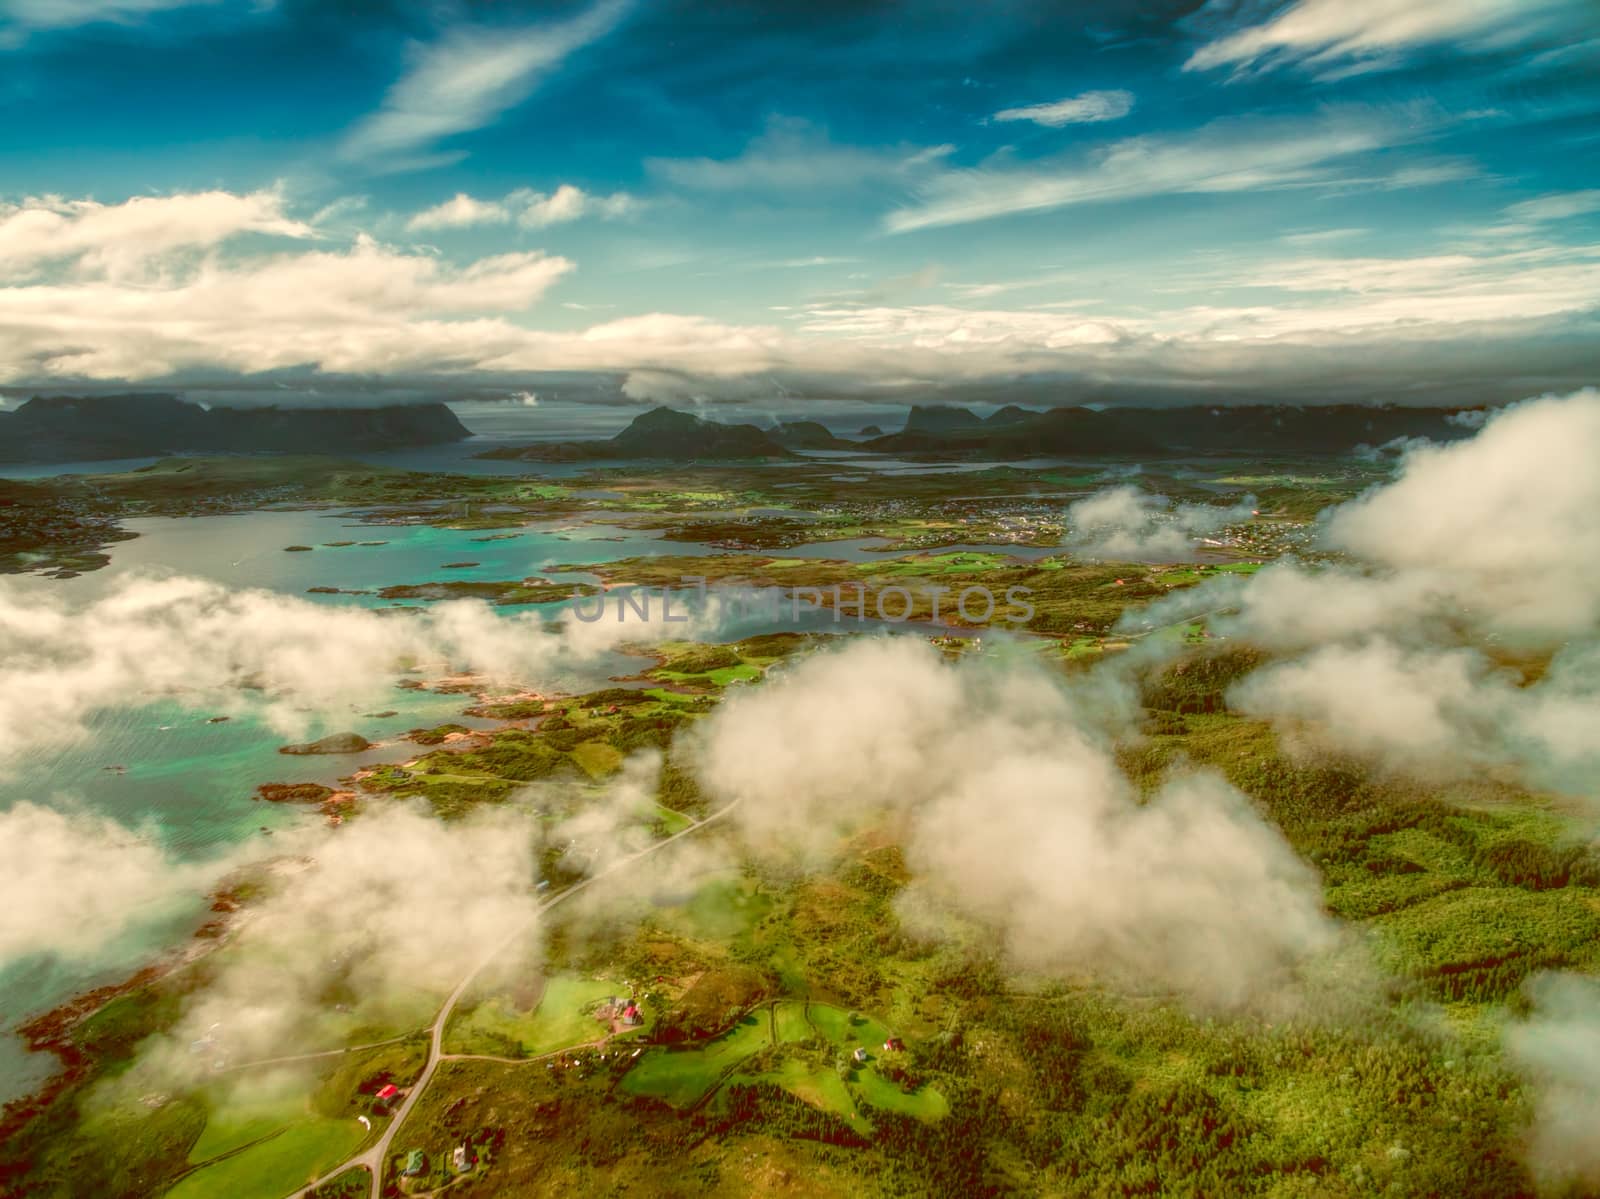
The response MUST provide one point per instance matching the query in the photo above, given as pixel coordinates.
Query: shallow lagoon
(188, 783)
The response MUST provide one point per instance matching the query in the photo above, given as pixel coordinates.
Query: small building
(860, 1055)
(632, 1016)
(416, 1163)
(893, 1045)
(461, 1159)
(386, 1095)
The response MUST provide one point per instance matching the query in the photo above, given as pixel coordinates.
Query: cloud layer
(1013, 813)
(1460, 630)
(1130, 525)
(214, 648)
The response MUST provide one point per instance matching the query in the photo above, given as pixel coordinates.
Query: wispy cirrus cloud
(1085, 109)
(1343, 37)
(1557, 206)
(465, 80)
(1228, 155)
(793, 155)
(18, 18)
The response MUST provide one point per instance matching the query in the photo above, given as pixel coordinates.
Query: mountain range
(90, 428)
(1013, 432)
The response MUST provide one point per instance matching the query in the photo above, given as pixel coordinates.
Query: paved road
(374, 1158)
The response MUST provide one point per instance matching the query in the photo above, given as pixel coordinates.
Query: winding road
(373, 1158)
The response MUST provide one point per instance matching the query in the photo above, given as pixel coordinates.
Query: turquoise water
(248, 550)
(188, 783)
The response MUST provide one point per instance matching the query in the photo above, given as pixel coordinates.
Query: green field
(560, 1021)
(277, 1166)
(682, 1077)
(243, 1119)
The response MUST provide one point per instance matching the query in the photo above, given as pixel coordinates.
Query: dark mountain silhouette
(1013, 432)
(1245, 429)
(661, 433)
(88, 428)
(932, 419)
(808, 435)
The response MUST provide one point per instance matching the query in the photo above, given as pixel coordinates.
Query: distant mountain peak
(138, 425)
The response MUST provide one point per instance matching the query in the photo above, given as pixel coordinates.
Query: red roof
(389, 1092)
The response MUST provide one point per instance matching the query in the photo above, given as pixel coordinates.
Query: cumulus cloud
(465, 80)
(459, 212)
(1130, 525)
(531, 209)
(78, 880)
(1439, 712)
(1013, 813)
(1558, 1047)
(382, 917)
(114, 239)
(568, 203)
(1459, 631)
(210, 647)
(368, 308)
(1512, 514)
(1087, 108)
(97, 305)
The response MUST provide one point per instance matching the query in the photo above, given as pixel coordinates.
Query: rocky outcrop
(337, 743)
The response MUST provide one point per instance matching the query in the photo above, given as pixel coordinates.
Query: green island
(771, 1022)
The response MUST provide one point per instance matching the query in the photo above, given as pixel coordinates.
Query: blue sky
(1142, 202)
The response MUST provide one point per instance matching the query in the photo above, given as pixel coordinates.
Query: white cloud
(465, 80)
(78, 880)
(794, 156)
(116, 238)
(529, 208)
(63, 14)
(1088, 108)
(365, 309)
(1556, 206)
(199, 644)
(1129, 525)
(1481, 553)
(1228, 155)
(1558, 1047)
(1339, 37)
(1513, 513)
(1013, 813)
(132, 293)
(459, 212)
(568, 203)
(395, 907)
